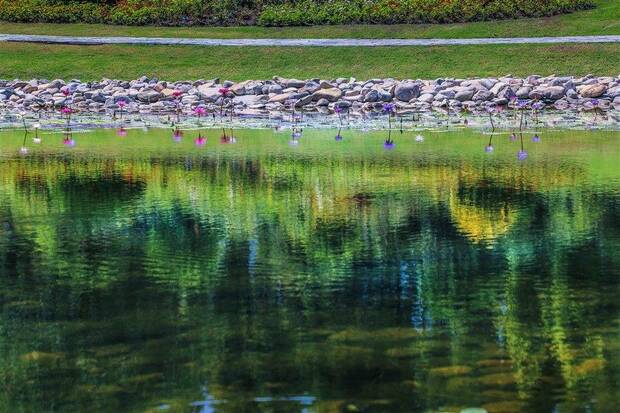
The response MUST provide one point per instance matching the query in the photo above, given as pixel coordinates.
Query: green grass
(193, 62)
(604, 19)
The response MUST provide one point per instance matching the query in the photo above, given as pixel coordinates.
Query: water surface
(141, 274)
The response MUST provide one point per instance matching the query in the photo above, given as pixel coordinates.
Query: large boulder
(593, 91)
(209, 93)
(332, 94)
(406, 91)
(148, 96)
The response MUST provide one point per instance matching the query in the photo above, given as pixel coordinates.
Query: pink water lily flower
(200, 111)
(200, 140)
(121, 104)
(177, 93)
(65, 91)
(122, 132)
(70, 142)
(66, 110)
(224, 91)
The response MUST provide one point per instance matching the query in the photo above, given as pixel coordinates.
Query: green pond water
(138, 274)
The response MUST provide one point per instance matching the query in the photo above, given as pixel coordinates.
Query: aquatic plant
(489, 147)
(122, 132)
(490, 110)
(338, 136)
(177, 134)
(36, 138)
(200, 140)
(223, 91)
(121, 105)
(389, 142)
(419, 138)
(199, 111)
(390, 110)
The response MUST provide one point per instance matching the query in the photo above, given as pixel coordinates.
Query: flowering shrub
(278, 12)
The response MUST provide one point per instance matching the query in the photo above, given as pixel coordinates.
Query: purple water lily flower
(521, 103)
(338, 137)
(389, 108)
(537, 105)
(389, 144)
(488, 149)
(595, 102)
(536, 138)
(522, 155)
(337, 109)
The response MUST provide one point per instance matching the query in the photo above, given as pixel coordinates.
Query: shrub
(278, 12)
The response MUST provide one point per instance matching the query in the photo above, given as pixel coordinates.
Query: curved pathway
(301, 42)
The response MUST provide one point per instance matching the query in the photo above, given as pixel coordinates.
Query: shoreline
(344, 102)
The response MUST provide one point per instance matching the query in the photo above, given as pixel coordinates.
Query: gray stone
(332, 94)
(406, 91)
(148, 96)
(465, 95)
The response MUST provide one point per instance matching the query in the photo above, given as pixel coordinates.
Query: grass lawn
(192, 62)
(604, 19)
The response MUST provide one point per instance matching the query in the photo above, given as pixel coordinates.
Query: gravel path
(302, 42)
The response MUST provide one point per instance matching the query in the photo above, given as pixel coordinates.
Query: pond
(142, 273)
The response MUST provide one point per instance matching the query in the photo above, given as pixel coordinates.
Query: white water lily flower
(419, 138)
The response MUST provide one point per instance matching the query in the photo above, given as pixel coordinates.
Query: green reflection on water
(141, 274)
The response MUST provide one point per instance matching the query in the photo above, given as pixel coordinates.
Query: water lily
(121, 104)
(536, 138)
(538, 105)
(224, 91)
(389, 144)
(389, 108)
(488, 149)
(177, 135)
(36, 140)
(338, 135)
(23, 150)
(522, 155)
(513, 137)
(419, 138)
(65, 91)
(66, 110)
(177, 93)
(122, 132)
(68, 141)
(200, 111)
(200, 140)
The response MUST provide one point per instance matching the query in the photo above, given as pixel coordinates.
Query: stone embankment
(259, 97)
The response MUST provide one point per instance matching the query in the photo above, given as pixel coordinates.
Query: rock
(498, 87)
(427, 97)
(283, 97)
(303, 101)
(322, 102)
(148, 96)
(331, 95)
(295, 83)
(406, 91)
(523, 92)
(482, 96)
(553, 92)
(465, 95)
(208, 93)
(343, 104)
(593, 91)
(277, 89)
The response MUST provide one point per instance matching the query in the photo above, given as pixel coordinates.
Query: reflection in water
(144, 275)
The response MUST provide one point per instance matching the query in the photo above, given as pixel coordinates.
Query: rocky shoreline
(260, 97)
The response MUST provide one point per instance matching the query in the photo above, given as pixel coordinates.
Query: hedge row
(277, 12)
